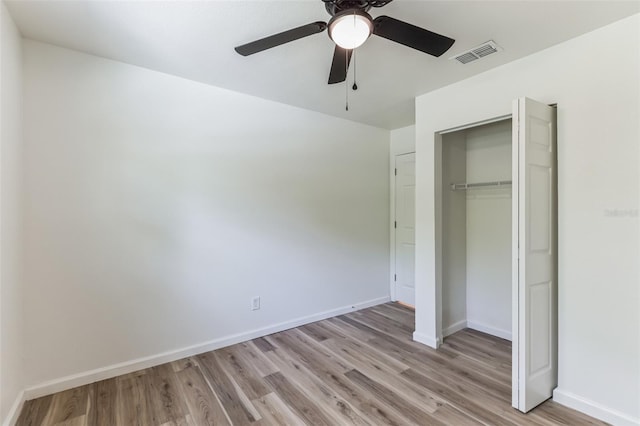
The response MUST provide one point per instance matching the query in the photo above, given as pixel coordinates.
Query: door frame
(392, 219)
(438, 214)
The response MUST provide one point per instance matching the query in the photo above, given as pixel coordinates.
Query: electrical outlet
(255, 303)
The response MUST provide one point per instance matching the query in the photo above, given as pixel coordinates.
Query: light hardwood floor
(361, 368)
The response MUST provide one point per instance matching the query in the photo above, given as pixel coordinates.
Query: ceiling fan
(349, 27)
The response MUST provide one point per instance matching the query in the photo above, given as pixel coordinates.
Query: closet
(476, 229)
(495, 240)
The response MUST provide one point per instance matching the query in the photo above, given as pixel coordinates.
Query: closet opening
(476, 229)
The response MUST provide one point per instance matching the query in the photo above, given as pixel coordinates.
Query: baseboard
(503, 334)
(14, 412)
(594, 409)
(115, 370)
(460, 325)
(426, 340)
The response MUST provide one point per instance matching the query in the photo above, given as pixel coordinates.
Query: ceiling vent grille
(478, 52)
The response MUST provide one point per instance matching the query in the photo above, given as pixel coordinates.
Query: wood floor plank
(275, 412)
(380, 370)
(450, 415)
(411, 412)
(406, 344)
(103, 409)
(183, 363)
(362, 368)
(263, 344)
(490, 350)
(246, 402)
(203, 405)
(66, 405)
(384, 323)
(225, 390)
(392, 314)
(469, 364)
(315, 331)
(35, 411)
(396, 311)
(457, 371)
(383, 368)
(131, 401)
(165, 403)
(75, 421)
(330, 331)
(362, 355)
(296, 399)
(310, 350)
(242, 373)
(369, 332)
(457, 399)
(460, 369)
(348, 330)
(559, 415)
(332, 376)
(255, 358)
(503, 344)
(470, 351)
(324, 395)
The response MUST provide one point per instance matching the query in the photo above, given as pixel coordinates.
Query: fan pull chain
(355, 86)
(346, 84)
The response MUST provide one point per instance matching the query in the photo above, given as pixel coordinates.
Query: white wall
(488, 230)
(403, 140)
(11, 146)
(594, 81)
(157, 207)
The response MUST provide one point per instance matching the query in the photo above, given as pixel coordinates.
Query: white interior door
(405, 189)
(534, 262)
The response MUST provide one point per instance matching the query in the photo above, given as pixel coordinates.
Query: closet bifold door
(534, 288)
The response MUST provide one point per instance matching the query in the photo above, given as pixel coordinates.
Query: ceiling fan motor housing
(336, 6)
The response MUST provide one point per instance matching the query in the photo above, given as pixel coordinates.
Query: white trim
(14, 412)
(110, 371)
(594, 409)
(476, 124)
(392, 230)
(503, 334)
(426, 340)
(515, 256)
(454, 328)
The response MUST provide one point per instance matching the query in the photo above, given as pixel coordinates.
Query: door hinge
(395, 277)
(395, 224)
(395, 172)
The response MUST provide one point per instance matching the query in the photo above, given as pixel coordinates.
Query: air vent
(478, 52)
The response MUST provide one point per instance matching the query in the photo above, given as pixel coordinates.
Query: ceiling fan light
(350, 29)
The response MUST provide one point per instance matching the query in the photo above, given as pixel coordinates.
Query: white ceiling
(195, 40)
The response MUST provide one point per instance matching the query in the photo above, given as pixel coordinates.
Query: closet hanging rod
(464, 186)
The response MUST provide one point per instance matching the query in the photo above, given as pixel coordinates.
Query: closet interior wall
(476, 230)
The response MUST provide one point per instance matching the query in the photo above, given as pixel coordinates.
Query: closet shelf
(465, 186)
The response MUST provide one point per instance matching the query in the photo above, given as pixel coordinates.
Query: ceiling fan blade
(340, 65)
(281, 38)
(411, 36)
